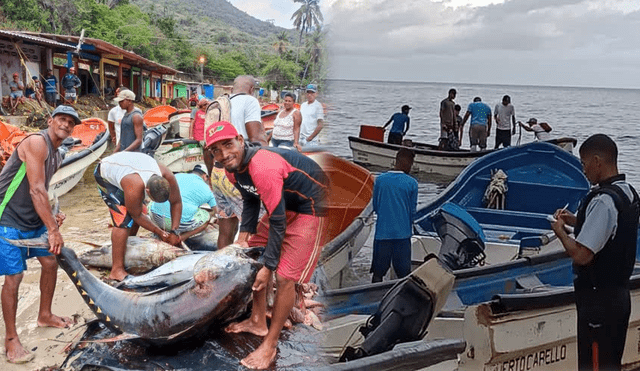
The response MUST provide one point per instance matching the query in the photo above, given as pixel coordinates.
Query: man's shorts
(503, 137)
(301, 247)
(114, 198)
(385, 252)
(478, 136)
(16, 94)
(50, 97)
(303, 142)
(200, 218)
(13, 259)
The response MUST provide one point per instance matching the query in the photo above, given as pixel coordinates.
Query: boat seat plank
(529, 282)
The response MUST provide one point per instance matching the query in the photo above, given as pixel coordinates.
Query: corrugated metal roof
(108, 48)
(35, 39)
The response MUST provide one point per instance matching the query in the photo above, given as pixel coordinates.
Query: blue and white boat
(540, 178)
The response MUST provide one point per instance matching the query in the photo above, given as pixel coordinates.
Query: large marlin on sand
(218, 292)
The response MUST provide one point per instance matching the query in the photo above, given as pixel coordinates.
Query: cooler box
(372, 133)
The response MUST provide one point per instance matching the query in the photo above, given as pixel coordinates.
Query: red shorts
(301, 247)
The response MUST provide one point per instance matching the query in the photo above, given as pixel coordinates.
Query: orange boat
(158, 115)
(349, 218)
(85, 145)
(268, 114)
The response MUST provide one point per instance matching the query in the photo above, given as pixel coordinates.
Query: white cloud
(555, 42)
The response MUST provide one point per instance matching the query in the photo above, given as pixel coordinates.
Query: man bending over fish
(25, 213)
(124, 179)
(293, 189)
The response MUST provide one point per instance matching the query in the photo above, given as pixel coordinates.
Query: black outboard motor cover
(152, 139)
(461, 235)
(405, 311)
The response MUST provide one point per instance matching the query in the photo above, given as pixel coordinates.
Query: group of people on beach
(276, 196)
(43, 89)
(480, 119)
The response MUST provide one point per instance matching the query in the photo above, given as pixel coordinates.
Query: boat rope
(495, 194)
(356, 198)
(23, 56)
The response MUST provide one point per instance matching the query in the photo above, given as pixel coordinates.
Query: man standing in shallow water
(25, 213)
(293, 189)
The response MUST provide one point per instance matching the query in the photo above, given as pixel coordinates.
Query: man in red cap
(293, 189)
(17, 89)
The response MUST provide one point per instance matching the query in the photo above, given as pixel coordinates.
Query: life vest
(613, 265)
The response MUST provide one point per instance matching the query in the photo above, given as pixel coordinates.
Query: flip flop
(24, 359)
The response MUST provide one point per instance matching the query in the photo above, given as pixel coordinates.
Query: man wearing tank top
(124, 179)
(25, 213)
(131, 124)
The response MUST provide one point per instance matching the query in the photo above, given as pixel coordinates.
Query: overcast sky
(530, 42)
(523, 42)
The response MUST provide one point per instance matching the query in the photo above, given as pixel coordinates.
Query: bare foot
(15, 351)
(248, 326)
(118, 275)
(55, 321)
(260, 358)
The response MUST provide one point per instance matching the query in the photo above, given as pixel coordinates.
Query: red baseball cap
(221, 130)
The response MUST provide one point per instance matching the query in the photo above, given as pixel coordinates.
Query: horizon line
(477, 83)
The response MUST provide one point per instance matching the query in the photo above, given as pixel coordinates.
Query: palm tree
(305, 18)
(281, 43)
(314, 46)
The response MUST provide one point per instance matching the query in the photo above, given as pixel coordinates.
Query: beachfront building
(28, 55)
(102, 65)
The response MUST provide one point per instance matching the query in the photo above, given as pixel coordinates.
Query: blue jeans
(387, 251)
(281, 142)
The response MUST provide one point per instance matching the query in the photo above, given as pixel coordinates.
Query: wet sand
(87, 220)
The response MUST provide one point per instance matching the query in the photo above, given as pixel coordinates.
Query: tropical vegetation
(178, 33)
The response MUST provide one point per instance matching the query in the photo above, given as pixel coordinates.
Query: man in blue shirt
(195, 192)
(480, 126)
(398, 130)
(50, 88)
(395, 197)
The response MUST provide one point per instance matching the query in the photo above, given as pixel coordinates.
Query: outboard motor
(67, 144)
(405, 311)
(152, 139)
(461, 235)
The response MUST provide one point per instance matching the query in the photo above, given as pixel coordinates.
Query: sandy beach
(87, 221)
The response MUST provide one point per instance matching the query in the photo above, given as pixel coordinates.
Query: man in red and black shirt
(293, 189)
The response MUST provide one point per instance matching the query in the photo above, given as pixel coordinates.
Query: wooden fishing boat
(91, 139)
(179, 155)
(349, 218)
(179, 123)
(541, 178)
(371, 150)
(158, 115)
(85, 145)
(268, 114)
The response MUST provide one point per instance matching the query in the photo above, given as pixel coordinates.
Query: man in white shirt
(245, 110)
(505, 116)
(312, 120)
(113, 120)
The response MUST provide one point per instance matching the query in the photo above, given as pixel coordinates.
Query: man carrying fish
(124, 179)
(25, 213)
(293, 189)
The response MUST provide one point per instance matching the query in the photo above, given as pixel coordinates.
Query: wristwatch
(174, 231)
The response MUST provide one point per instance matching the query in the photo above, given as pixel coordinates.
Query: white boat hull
(68, 176)
(182, 158)
(385, 157)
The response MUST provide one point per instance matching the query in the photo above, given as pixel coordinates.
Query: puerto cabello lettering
(534, 360)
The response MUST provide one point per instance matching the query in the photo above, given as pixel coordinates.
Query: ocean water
(570, 111)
